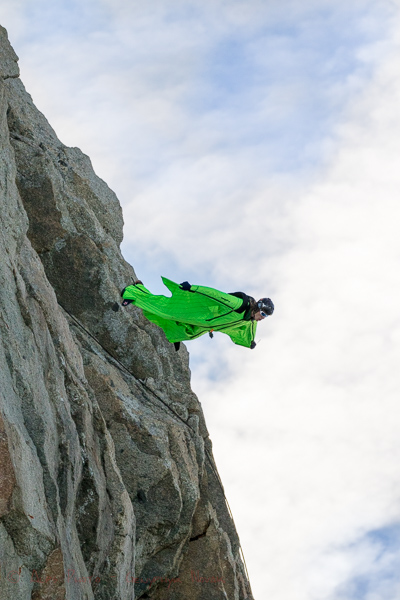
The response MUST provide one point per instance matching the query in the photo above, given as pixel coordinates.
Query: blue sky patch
(380, 578)
(284, 86)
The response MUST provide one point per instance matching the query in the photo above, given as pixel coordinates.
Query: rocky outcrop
(108, 488)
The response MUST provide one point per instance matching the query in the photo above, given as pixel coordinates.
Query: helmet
(266, 305)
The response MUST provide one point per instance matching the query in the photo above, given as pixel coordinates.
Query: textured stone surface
(8, 58)
(7, 476)
(108, 488)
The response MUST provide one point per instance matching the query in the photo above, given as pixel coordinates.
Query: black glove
(185, 286)
(252, 345)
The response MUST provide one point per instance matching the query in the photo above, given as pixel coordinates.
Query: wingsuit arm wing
(231, 302)
(207, 293)
(244, 334)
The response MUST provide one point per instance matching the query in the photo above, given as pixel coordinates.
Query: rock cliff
(108, 488)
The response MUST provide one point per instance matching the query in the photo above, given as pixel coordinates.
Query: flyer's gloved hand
(185, 286)
(252, 345)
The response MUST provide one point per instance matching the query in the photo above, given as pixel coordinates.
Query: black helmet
(266, 305)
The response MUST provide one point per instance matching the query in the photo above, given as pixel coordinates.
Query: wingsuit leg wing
(165, 312)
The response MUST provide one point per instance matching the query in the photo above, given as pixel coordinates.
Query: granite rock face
(108, 488)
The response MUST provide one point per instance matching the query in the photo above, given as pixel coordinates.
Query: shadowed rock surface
(108, 488)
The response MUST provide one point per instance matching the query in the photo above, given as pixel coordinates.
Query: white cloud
(316, 404)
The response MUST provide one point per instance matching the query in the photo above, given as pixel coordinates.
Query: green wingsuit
(188, 314)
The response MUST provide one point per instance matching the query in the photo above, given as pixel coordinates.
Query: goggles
(263, 314)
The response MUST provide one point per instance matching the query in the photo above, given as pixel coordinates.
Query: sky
(254, 146)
